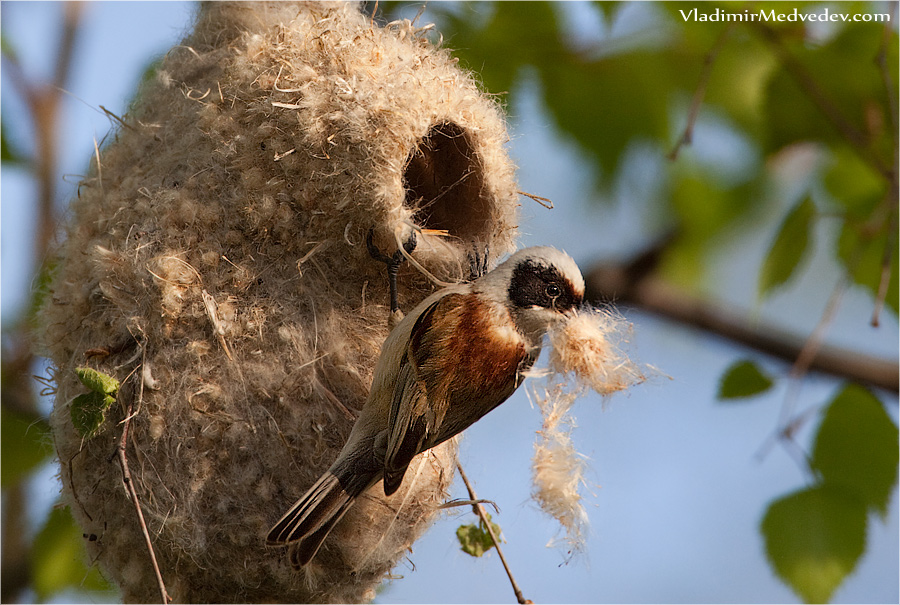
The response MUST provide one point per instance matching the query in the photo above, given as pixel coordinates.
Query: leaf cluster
(88, 410)
(475, 539)
(816, 536)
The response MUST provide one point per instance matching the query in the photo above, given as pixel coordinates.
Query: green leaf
(24, 444)
(97, 381)
(495, 40)
(609, 8)
(861, 249)
(474, 538)
(743, 379)
(9, 153)
(704, 209)
(606, 104)
(89, 411)
(814, 539)
(40, 291)
(789, 247)
(855, 185)
(738, 81)
(740, 72)
(57, 558)
(857, 447)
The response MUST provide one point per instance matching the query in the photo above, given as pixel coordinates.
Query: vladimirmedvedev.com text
(772, 15)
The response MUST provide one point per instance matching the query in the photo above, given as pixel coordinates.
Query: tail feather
(392, 480)
(313, 515)
(310, 543)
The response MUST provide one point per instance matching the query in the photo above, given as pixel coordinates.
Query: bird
(455, 357)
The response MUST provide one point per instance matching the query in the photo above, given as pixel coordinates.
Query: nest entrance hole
(444, 183)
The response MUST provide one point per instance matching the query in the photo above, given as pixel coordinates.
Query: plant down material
(584, 351)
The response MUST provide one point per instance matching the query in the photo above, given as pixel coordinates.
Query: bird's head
(540, 287)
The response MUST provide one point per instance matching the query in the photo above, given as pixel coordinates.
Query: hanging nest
(215, 265)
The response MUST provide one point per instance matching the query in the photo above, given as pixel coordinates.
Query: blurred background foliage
(803, 145)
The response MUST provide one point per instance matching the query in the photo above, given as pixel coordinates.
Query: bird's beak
(573, 312)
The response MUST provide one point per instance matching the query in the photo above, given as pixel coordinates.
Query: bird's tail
(311, 519)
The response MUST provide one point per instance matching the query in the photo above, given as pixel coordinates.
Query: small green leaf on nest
(89, 411)
(475, 539)
(97, 381)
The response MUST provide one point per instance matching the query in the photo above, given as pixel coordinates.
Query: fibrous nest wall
(215, 264)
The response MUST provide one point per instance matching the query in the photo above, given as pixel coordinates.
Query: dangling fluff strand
(585, 354)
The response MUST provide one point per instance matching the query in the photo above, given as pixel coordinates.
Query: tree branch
(43, 104)
(631, 283)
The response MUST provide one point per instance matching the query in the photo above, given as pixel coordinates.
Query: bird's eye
(553, 290)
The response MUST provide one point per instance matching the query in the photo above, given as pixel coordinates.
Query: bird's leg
(478, 264)
(393, 264)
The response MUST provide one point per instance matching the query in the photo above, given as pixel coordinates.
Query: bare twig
(479, 510)
(708, 62)
(887, 260)
(543, 201)
(813, 344)
(789, 424)
(119, 120)
(129, 485)
(460, 502)
(42, 102)
(890, 88)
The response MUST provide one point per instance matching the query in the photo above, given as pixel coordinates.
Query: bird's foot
(478, 263)
(393, 266)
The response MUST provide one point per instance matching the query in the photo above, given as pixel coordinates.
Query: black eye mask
(538, 285)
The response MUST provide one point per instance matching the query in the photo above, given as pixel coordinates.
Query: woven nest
(215, 264)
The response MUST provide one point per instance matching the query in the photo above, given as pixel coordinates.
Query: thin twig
(110, 114)
(887, 260)
(479, 510)
(890, 88)
(129, 485)
(814, 343)
(708, 62)
(43, 103)
(460, 502)
(891, 92)
(788, 424)
(546, 202)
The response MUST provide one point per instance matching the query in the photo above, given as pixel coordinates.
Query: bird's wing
(456, 369)
(406, 426)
